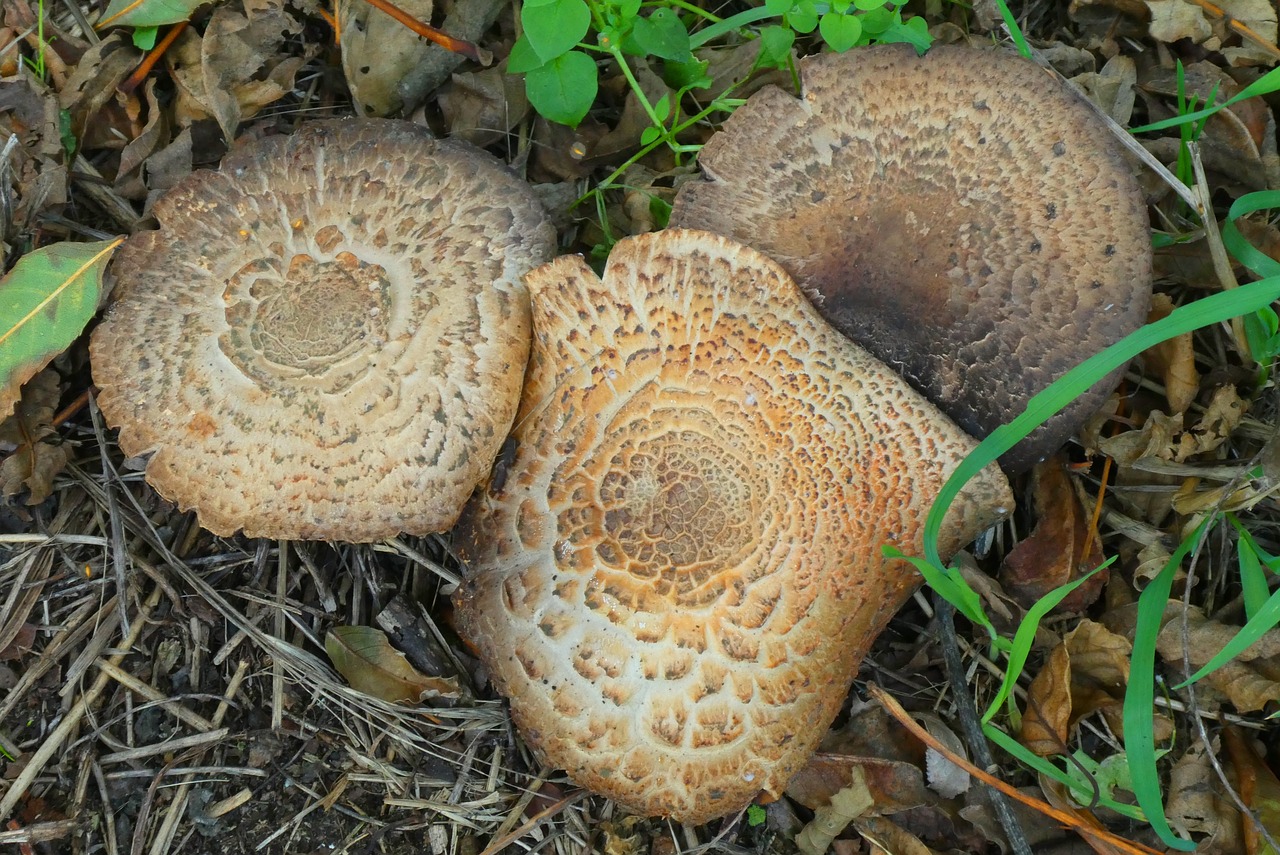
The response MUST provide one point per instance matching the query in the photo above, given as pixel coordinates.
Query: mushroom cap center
(676, 511)
(318, 312)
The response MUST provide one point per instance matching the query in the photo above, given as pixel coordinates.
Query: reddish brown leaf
(1059, 550)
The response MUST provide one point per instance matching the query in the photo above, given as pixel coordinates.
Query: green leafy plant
(559, 61)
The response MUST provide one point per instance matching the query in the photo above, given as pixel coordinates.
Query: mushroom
(679, 570)
(962, 215)
(326, 338)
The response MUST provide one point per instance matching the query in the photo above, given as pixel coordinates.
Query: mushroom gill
(326, 338)
(962, 215)
(677, 574)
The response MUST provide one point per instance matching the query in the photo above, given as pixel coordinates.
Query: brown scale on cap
(326, 338)
(680, 570)
(962, 215)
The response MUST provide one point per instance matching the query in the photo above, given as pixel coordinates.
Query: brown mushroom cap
(962, 215)
(679, 571)
(326, 338)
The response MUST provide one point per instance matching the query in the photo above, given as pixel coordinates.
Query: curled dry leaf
(32, 461)
(92, 87)
(830, 820)
(886, 836)
(1174, 360)
(371, 665)
(1250, 681)
(45, 302)
(1111, 88)
(1086, 672)
(236, 68)
(1195, 803)
(895, 785)
(1060, 549)
(1044, 725)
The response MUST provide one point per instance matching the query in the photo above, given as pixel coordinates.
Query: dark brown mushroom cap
(678, 573)
(325, 338)
(962, 215)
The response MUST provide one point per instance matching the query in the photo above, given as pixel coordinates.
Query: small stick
(471, 51)
(895, 709)
(134, 80)
(146, 690)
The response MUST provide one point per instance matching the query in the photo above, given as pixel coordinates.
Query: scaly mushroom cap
(677, 574)
(962, 215)
(326, 338)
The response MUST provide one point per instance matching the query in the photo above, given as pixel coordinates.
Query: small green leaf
(687, 75)
(628, 9)
(144, 38)
(913, 31)
(868, 5)
(755, 816)
(564, 89)
(650, 134)
(778, 8)
(663, 108)
(663, 34)
(775, 46)
(45, 302)
(148, 13)
(803, 17)
(522, 57)
(660, 210)
(840, 32)
(877, 21)
(554, 28)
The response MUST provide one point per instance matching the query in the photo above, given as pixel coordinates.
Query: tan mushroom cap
(962, 215)
(676, 576)
(326, 338)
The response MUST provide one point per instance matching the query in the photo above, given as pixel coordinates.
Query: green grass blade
(1028, 758)
(1026, 634)
(1213, 309)
(1245, 252)
(1015, 32)
(1253, 579)
(1139, 697)
(1264, 85)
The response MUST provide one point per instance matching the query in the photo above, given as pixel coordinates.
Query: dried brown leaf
(1222, 416)
(886, 836)
(33, 460)
(1174, 20)
(895, 785)
(1111, 88)
(237, 68)
(1048, 713)
(93, 85)
(371, 665)
(378, 52)
(483, 106)
(1248, 681)
(1257, 784)
(1174, 360)
(1194, 804)
(1059, 550)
